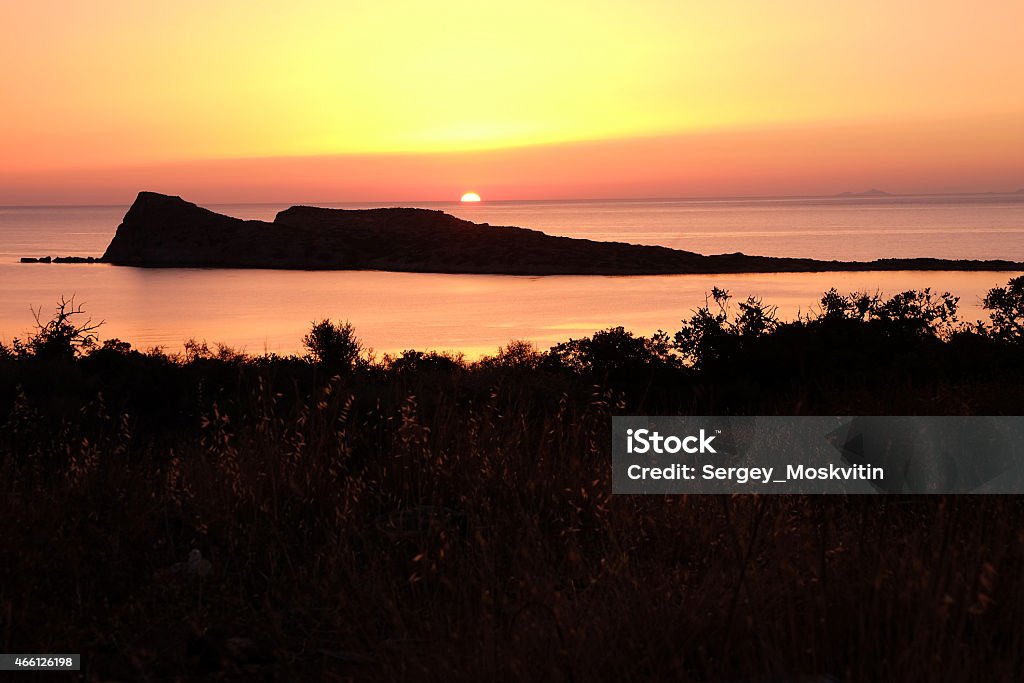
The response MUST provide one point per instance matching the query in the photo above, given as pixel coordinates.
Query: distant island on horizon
(167, 231)
(867, 193)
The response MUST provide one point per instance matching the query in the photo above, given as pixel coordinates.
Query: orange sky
(419, 100)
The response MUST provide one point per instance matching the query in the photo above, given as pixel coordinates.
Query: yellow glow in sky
(111, 83)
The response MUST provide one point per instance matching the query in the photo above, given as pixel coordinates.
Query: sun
(471, 197)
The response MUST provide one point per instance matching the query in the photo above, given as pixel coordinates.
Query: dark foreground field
(336, 516)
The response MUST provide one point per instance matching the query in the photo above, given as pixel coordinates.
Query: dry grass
(402, 535)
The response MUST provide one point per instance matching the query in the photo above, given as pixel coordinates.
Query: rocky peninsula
(165, 231)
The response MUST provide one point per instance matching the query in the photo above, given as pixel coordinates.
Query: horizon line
(865, 194)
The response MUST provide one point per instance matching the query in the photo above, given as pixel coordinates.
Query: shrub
(414, 362)
(856, 306)
(916, 312)
(334, 346)
(61, 336)
(613, 352)
(922, 313)
(116, 346)
(518, 354)
(1006, 310)
(713, 333)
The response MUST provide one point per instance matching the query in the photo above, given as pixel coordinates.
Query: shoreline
(932, 265)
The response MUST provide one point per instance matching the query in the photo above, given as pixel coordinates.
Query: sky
(424, 100)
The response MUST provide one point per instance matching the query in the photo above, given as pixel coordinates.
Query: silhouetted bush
(1006, 311)
(518, 354)
(62, 336)
(915, 312)
(855, 306)
(334, 346)
(713, 333)
(613, 353)
(114, 346)
(416, 362)
(921, 312)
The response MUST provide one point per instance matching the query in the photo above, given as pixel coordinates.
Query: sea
(259, 311)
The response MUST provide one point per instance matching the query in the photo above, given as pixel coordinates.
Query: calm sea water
(270, 310)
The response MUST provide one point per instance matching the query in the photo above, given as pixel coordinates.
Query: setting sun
(470, 197)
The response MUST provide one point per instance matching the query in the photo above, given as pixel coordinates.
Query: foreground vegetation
(423, 517)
